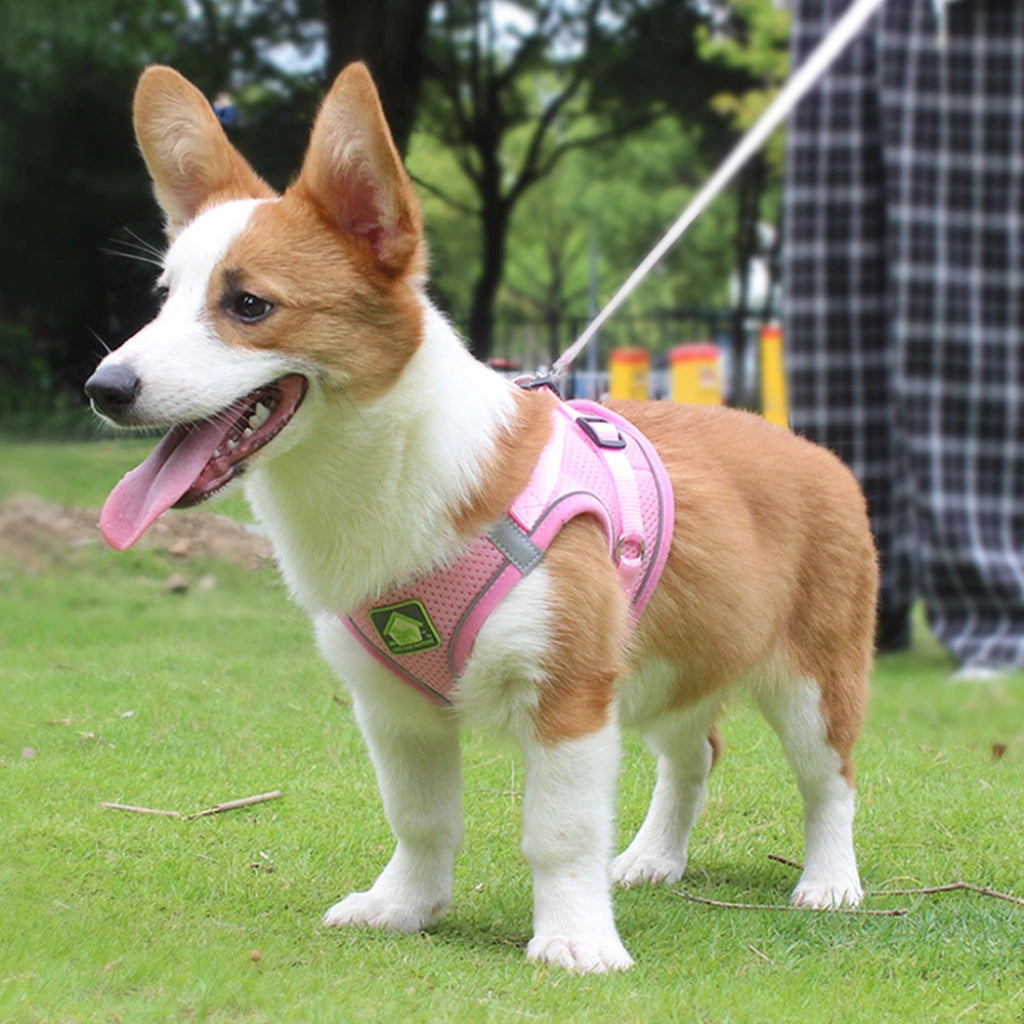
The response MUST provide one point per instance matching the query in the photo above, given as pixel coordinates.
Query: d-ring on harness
(595, 463)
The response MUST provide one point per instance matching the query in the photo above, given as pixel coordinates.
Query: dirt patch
(37, 534)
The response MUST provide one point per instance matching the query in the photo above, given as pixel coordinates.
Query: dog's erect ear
(188, 155)
(355, 175)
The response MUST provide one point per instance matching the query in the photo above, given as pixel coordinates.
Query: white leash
(801, 82)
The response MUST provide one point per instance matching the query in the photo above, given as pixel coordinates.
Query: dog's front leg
(568, 812)
(415, 751)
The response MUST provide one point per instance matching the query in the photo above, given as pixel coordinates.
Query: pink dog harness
(595, 463)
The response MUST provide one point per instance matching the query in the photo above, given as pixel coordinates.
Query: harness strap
(629, 546)
(595, 463)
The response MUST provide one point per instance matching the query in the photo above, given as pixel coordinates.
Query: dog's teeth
(259, 416)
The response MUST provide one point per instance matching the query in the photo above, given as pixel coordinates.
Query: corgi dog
(296, 351)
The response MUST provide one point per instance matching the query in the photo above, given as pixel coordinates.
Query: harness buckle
(591, 426)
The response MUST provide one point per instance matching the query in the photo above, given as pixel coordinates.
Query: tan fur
(758, 575)
(353, 172)
(759, 579)
(770, 578)
(508, 472)
(358, 327)
(589, 621)
(190, 160)
(717, 746)
(338, 256)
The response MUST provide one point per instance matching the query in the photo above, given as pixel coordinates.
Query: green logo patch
(405, 628)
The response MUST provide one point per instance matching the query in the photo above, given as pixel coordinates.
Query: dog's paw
(370, 910)
(585, 955)
(631, 870)
(828, 895)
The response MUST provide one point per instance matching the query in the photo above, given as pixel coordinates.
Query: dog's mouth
(195, 460)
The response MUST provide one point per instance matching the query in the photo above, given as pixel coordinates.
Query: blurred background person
(903, 270)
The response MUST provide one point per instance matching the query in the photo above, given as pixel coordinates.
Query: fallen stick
(228, 805)
(691, 898)
(139, 810)
(951, 887)
(232, 805)
(929, 890)
(785, 860)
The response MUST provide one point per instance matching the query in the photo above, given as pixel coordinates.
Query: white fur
(363, 500)
(569, 798)
(658, 853)
(567, 839)
(414, 747)
(188, 373)
(830, 878)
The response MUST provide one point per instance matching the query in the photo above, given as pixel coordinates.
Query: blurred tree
(512, 89)
(74, 196)
(750, 38)
(713, 65)
(598, 214)
(507, 95)
(390, 37)
(69, 180)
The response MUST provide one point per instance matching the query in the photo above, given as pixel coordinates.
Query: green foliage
(78, 225)
(117, 690)
(510, 104)
(755, 44)
(616, 199)
(70, 182)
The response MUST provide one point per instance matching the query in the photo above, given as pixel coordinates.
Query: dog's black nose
(112, 390)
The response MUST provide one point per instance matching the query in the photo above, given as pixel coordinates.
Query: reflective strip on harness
(595, 463)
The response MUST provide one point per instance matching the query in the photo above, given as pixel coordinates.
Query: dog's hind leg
(830, 878)
(686, 745)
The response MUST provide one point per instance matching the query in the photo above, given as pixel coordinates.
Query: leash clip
(538, 381)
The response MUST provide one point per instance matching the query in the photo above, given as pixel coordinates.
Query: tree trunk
(554, 325)
(390, 39)
(494, 225)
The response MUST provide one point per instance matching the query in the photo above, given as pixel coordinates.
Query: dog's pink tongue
(147, 491)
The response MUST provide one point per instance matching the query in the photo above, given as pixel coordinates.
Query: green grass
(125, 692)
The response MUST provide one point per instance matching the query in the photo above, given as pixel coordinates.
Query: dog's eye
(249, 307)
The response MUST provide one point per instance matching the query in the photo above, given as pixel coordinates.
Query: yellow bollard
(774, 398)
(696, 374)
(629, 371)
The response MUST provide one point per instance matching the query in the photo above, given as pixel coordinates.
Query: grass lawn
(116, 689)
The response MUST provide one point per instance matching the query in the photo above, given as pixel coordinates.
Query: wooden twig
(929, 890)
(233, 805)
(690, 897)
(228, 805)
(139, 810)
(784, 860)
(951, 887)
